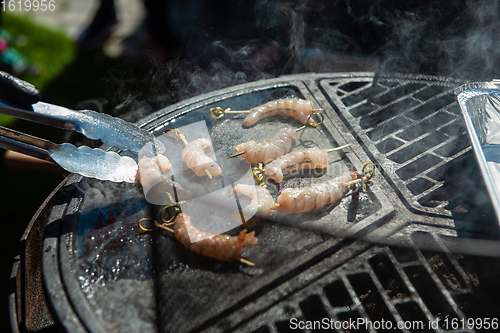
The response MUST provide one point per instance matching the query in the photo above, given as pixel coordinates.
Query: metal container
(480, 104)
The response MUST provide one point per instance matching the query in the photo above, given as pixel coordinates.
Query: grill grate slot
(337, 294)
(418, 166)
(426, 109)
(430, 293)
(419, 186)
(351, 86)
(430, 92)
(459, 144)
(388, 128)
(417, 148)
(386, 113)
(389, 145)
(371, 300)
(367, 93)
(444, 270)
(313, 310)
(397, 93)
(426, 126)
(389, 278)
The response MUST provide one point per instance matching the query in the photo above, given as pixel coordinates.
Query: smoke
(218, 44)
(454, 39)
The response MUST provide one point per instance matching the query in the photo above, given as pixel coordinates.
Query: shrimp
(269, 150)
(299, 109)
(261, 201)
(150, 174)
(220, 247)
(150, 169)
(301, 200)
(196, 160)
(310, 158)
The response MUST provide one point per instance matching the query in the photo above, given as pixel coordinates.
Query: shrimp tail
(245, 238)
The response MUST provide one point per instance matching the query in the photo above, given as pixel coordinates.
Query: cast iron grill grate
(412, 125)
(388, 283)
(313, 268)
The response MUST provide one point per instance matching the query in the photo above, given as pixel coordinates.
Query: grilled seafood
(150, 168)
(220, 247)
(261, 201)
(301, 200)
(269, 150)
(150, 175)
(196, 160)
(299, 109)
(309, 158)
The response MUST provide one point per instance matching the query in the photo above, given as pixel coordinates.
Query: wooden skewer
(338, 148)
(221, 112)
(237, 154)
(328, 150)
(246, 262)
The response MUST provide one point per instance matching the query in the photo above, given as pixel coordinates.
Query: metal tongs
(21, 99)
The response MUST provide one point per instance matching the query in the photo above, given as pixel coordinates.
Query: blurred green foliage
(50, 50)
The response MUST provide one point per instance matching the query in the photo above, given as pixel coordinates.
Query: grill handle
(18, 91)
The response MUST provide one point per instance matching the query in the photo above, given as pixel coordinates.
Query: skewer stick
(246, 262)
(222, 112)
(237, 154)
(181, 136)
(338, 148)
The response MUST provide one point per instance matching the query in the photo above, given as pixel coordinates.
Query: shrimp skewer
(261, 201)
(220, 247)
(301, 200)
(269, 150)
(196, 160)
(299, 109)
(309, 158)
(150, 174)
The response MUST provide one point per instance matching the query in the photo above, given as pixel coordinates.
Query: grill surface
(413, 126)
(424, 205)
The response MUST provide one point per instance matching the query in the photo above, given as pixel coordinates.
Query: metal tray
(480, 104)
